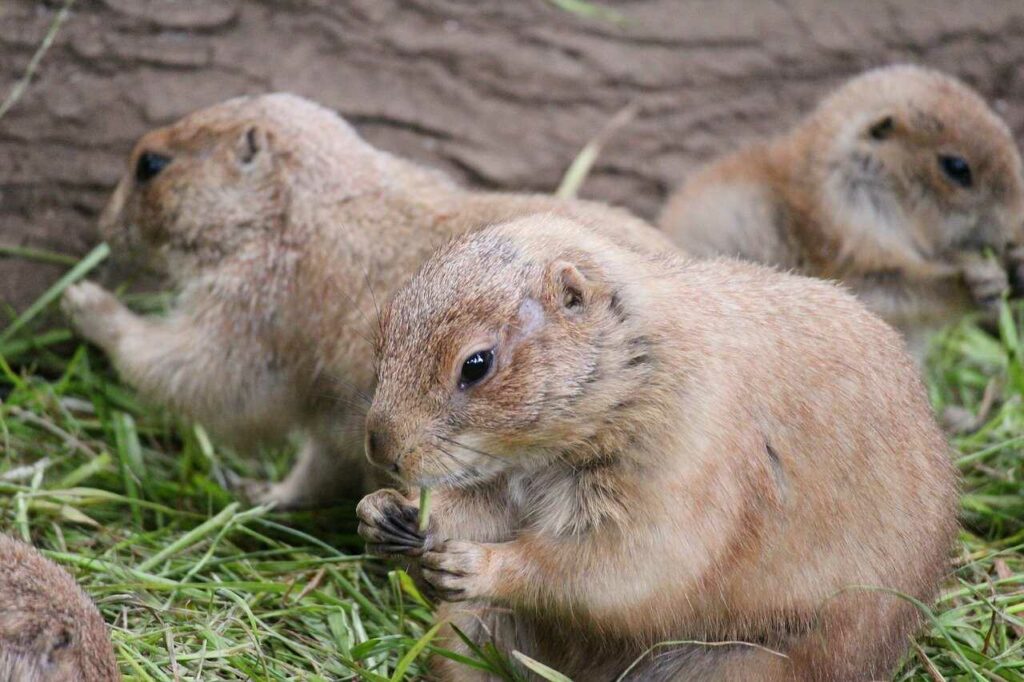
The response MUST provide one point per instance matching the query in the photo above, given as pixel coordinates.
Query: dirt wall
(501, 93)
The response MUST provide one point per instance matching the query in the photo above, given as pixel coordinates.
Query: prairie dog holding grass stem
(902, 184)
(627, 449)
(50, 631)
(281, 229)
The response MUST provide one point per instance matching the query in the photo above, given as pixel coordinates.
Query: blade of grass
(544, 671)
(85, 471)
(38, 255)
(51, 33)
(581, 166)
(192, 537)
(424, 508)
(94, 258)
(414, 651)
(129, 452)
(589, 10)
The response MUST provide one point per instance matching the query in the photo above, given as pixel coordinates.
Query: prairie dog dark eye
(475, 368)
(882, 129)
(149, 165)
(956, 169)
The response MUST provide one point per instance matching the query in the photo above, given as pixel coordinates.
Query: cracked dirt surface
(501, 94)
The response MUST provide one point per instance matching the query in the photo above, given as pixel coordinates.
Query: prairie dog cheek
(478, 452)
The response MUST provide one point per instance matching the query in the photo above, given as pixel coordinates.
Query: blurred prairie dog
(897, 184)
(50, 631)
(282, 229)
(627, 449)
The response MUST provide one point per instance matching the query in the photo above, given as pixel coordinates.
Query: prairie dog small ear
(251, 143)
(59, 644)
(570, 287)
(882, 128)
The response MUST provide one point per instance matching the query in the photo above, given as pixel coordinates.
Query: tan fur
(50, 631)
(282, 230)
(828, 199)
(665, 450)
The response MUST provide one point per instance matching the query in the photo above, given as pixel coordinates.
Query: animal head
(50, 631)
(221, 177)
(921, 157)
(500, 353)
(38, 652)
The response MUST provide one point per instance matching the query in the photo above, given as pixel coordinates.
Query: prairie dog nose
(379, 445)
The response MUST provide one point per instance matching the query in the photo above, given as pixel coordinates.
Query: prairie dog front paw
(256, 492)
(389, 524)
(95, 313)
(458, 570)
(987, 281)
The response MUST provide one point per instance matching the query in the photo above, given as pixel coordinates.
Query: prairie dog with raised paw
(902, 184)
(50, 631)
(281, 229)
(626, 449)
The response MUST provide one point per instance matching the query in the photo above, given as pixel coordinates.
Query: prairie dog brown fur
(50, 631)
(628, 449)
(896, 185)
(281, 229)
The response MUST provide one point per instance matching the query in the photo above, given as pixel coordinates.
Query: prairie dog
(50, 631)
(628, 449)
(281, 229)
(897, 185)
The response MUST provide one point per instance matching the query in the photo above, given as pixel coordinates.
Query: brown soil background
(501, 93)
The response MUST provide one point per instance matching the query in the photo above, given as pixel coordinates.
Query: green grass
(196, 586)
